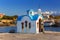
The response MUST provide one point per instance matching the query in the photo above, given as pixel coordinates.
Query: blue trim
(20, 17)
(29, 14)
(33, 18)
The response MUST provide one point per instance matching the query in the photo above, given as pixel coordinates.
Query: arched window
(30, 12)
(29, 25)
(22, 25)
(25, 23)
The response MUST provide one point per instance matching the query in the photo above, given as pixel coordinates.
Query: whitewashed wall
(33, 26)
(37, 25)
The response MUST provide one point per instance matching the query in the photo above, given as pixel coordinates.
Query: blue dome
(30, 11)
(35, 17)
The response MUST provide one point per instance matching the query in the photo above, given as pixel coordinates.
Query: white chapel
(29, 23)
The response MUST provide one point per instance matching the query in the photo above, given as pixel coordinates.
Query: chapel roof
(32, 17)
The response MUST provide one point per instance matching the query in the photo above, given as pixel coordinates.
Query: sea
(7, 29)
(52, 28)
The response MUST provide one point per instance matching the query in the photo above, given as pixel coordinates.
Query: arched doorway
(39, 25)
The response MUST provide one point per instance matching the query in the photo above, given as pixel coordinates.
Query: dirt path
(41, 36)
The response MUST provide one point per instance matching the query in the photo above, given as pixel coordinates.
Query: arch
(26, 21)
(38, 24)
(25, 18)
(29, 25)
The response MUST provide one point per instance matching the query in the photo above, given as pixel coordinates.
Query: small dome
(31, 11)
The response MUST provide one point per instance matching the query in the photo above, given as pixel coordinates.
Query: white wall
(33, 26)
(37, 26)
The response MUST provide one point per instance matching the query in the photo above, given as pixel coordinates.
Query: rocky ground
(40, 36)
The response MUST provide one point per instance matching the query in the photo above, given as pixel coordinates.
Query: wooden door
(39, 25)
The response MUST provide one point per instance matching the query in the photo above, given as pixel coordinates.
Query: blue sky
(19, 7)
